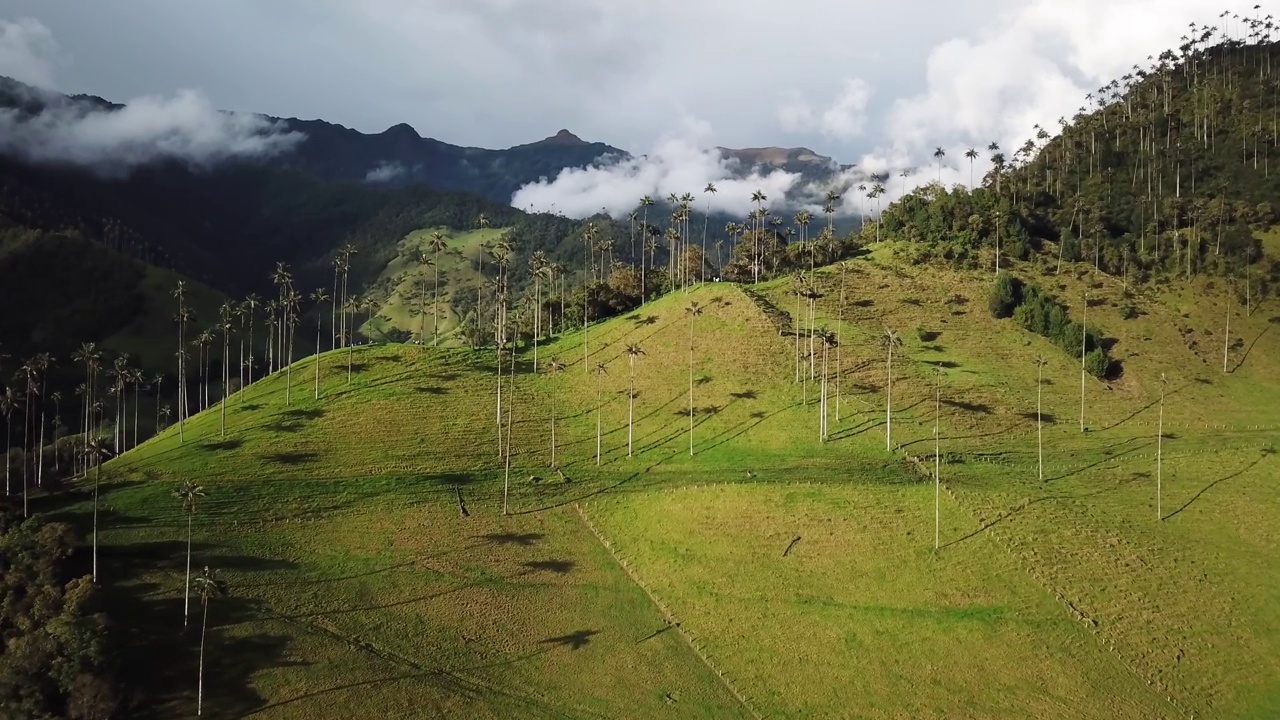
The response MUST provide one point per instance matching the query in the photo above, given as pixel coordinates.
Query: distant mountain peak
(564, 137)
(402, 129)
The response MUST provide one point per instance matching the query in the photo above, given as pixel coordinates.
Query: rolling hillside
(767, 574)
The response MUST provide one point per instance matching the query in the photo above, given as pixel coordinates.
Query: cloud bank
(28, 52)
(1031, 64)
(385, 172)
(114, 140)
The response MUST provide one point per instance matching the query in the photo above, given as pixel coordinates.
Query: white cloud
(385, 172)
(847, 116)
(677, 164)
(28, 52)
(844, 120)
(185, 127)
(1033, 65)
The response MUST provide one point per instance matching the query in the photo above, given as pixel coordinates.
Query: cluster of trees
(1165, 171)
(1037, 311)
(54, 653)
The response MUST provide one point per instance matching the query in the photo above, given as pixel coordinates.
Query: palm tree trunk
(186, 594)
(204, 626)
(97, 480)
(553, 428)
(888, 406)
(318, 359)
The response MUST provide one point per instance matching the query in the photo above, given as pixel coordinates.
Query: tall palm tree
(208, 586)
(633, 351)
(319, 297)
(180, 292)
(694, 310)
(538, 263)
(937, 457)
(600, 371)
(250, 306)
(972, 154)
(96, 452)
(1041, 361)
(758, 197)
(1084, 339)
(87, 354)
(9, 402)
(1160, 448)
(555, 366)
(938, 154)
(706, 218)
(889, 340)
(438, 242)
(188, 493)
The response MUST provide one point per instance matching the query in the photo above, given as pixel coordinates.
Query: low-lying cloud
(112, 140)
(28, 52)
(1032, 64)
(385, 172)
(676, 165)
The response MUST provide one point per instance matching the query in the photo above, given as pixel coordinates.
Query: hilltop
(385, 498)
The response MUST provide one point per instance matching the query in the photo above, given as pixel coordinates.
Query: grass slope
(400, 286)
(359, 582)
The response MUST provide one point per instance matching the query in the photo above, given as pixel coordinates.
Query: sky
(879, 85)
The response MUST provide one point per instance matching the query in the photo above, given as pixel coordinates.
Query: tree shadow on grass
(1148, 406)
(517, 539)
(574, 641)
(161, 655)
(431, 390)
(1245, 356)
(980, 408)
(1215, 483)
(222, 445)
(291, 458)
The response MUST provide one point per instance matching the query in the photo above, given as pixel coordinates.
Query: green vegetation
(647, 495)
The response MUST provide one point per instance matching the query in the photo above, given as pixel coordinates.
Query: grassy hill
(406, 289)
(370, 567)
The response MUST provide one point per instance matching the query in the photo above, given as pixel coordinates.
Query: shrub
(1096, 362)
(1006, 294)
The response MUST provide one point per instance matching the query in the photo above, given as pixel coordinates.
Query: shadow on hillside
(222, 445)
(1215, 483)
(945, 364)
(980, 408)
(431, 390)
(574, 641)
(1153, 403)
(516, 539)
(162, 657)
(1046, 418)
(559, 567)
(1021, 507)
(1239, 364)
(291, 458)
(1111, 456)
(323, 580)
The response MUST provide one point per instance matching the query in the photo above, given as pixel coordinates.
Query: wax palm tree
(208, 586)
(1160, 448)
(972, 154)
(633, 351)
(9, 402)
(538, 264)
(937, 462)
(694, 310)
(96, 452)
(710, 190)
(1041, 361)
(758, 197)
(889, 340)
(938, 154)
(438, 242)
(555, 366)
(601, 370)
(179, 292)
(189, 492)
(249, 308)
(319, 297)
(1084, 339)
